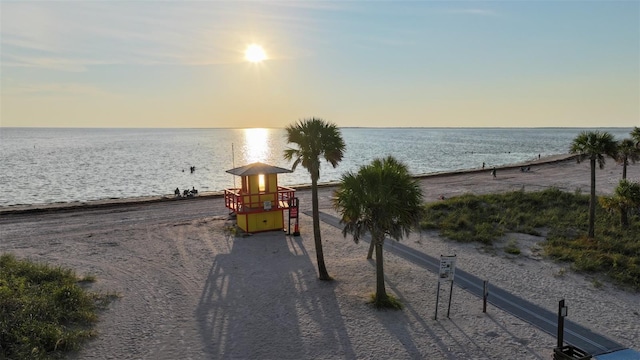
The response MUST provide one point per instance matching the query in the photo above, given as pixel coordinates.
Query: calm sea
(45, 165)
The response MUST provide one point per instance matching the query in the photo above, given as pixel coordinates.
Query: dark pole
(435, 317)
(296, 204)
(485, 295)
(450, 293)
(561, 314)
(289, 227)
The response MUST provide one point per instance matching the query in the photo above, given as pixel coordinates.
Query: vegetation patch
(389, 303)
(44, 312)
(614, 250)
(512, 247)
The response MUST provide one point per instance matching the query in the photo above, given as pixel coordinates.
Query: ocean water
(52, 165)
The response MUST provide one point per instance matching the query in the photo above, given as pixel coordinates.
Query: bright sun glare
(255, 53)
(256, 146)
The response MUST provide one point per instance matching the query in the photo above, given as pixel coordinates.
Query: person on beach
(177, 192)
(493, 172)
(483, 164)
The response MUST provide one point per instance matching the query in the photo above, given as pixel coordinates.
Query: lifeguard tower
(259, 203)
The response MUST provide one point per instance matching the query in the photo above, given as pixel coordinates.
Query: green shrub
(564, 215)
(512, 247)
(486, 233)
(43, 311)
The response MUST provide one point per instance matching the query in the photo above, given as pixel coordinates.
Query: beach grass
(44, 312)
(512, 247)
(390, 303)
(563, 216)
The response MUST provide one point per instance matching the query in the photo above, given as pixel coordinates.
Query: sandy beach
(191, 289)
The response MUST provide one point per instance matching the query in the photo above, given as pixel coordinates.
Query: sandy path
(191, 290)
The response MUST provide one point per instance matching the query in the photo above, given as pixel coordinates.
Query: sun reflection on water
(256, 145)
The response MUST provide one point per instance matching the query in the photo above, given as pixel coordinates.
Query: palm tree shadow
(262, 300)
(461, 345)
(399, 322)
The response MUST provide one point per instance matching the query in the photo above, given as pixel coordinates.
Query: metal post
(562, 312)
(233, 163)
(485, 295)
(289, 227)
(296, 231)
(435, 317)
(450, 293)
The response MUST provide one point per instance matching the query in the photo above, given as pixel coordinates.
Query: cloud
(473, 11)
(71, 36)
(56, 89)
(51, 62)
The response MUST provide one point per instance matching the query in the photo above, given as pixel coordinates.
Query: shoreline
(191, 288)
(112, 202)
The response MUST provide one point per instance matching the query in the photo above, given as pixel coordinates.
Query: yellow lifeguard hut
(259, 203)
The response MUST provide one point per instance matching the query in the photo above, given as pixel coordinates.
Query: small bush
(486, 233)
(43, 311)
(512, 247)
(562, 272)
(596, 283)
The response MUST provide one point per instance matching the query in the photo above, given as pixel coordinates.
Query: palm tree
(626, 196)
(627, 152)
(635, 134)
(381, 199)
(594, 145)
(315, 138)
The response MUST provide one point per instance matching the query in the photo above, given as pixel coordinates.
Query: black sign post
(447, 273)
(562, 313)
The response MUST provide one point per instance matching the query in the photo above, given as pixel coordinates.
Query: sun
(255, 53)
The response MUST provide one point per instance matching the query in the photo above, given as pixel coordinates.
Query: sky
(181, 64)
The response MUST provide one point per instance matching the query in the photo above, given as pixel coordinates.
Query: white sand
(191, 290)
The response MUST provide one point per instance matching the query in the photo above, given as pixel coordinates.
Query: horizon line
(340, 127)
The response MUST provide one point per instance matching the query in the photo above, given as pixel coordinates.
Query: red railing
(239, 202)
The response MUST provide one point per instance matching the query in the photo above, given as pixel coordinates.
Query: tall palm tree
(626, 196)
(381, 199)
(635, 135)
(627, 152)
(594, 145)
(315, 138)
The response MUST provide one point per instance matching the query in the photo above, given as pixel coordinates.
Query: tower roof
(257, 168)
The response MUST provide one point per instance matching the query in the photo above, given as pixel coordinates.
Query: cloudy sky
(355, 63)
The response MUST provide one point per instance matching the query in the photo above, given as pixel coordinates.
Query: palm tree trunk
(381, 292)
(624, 168)
(371, 247)
(323, 274)
(592, 200)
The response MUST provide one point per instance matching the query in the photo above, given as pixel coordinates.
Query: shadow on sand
(401, 326)
(453, 342)
(250, 313)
